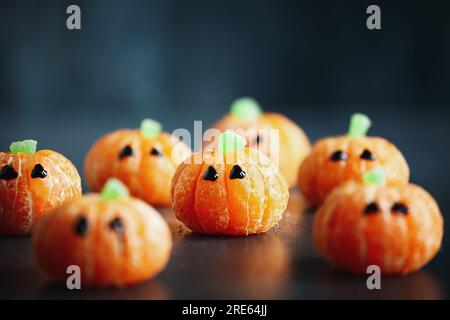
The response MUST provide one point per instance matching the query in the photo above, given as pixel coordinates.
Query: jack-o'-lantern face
(338, 159)
(144, 160)
(115, 239)
(231, 192)
(31, 183)
(283, 141)
(397, 227)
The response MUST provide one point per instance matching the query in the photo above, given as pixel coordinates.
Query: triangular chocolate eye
(38, 172)
(7, 172)
(367, 155)
(339, 156)
(155, 152)
(210, 174)
(237, 173)
(258, 139)
(400, 208)
(125, 152)
(81, 226)
(372, 208)
(117, 225)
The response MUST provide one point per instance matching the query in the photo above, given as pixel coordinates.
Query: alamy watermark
(373, 22)
(266, 141)
(73, 21)
(74, 279)
(374, 280)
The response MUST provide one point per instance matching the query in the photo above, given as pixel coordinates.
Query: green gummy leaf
(245, 108)
(25, 146)
(114, 189)
(150, 127)
(359, 125)
(230, 141)
(375, 177)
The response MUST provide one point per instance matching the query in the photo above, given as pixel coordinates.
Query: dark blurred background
(180, 61)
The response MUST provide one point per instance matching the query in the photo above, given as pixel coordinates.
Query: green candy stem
(25, 146)
(114, 189)
(245, 108)
(376, 177)
(150, 127)
(230, 141)
(359, 125)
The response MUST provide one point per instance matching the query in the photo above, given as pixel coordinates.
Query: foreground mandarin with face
(31, 183)
(143, 159)
(287, 147)
(115, 239)
(338, 159)
(397, 227)
(232, 190)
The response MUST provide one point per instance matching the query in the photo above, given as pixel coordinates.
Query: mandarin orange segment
(335, 160)
(115, 241)
(145, 160)
(395, 226)
(211, 207)
(245, 195)
(31, 183)
(287, 148)
(236, 193)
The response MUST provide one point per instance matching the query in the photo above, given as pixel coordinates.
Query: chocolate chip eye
(339, 156)
(125, 152)
(400, 208)
(258, 139)
(210, 174)
(81, 226)
(155, 152)
(38, 172)
(7, 172)
(372, 208)
(117, 225)
(367, 155)
(237, 173)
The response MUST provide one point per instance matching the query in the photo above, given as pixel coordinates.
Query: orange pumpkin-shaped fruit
(31, 183)
(114, 239)
(337, 159)
(283, 141)
(396, 227)
(231, 190)
(144, 160)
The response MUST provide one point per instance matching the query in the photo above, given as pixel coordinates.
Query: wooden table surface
(281, 264)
